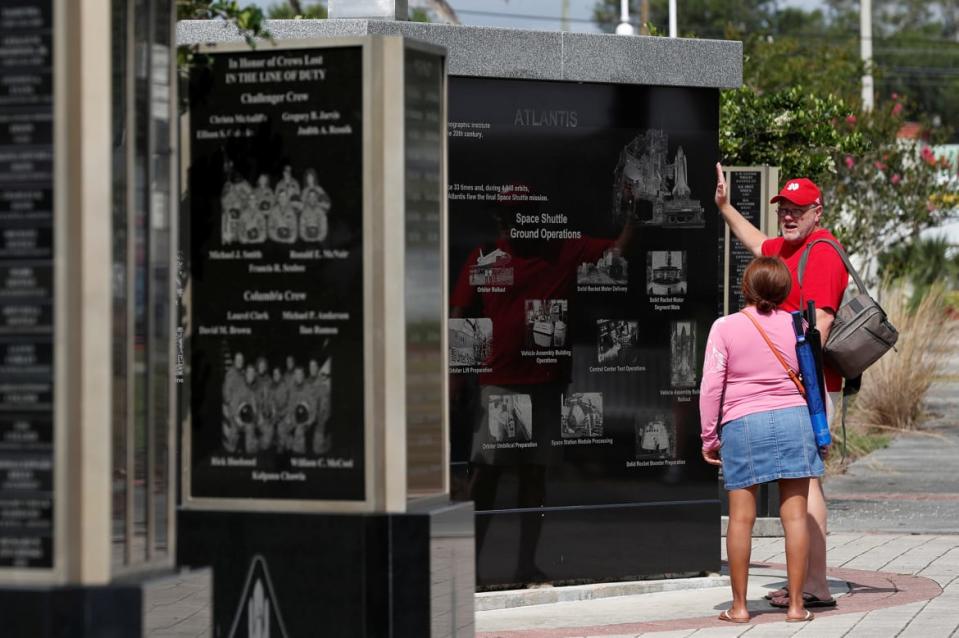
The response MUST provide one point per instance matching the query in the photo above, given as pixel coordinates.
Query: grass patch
(860, 441)
(894, 388)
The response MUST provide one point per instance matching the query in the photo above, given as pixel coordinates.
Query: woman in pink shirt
(755, 424)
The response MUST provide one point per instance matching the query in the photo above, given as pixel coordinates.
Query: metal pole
(564, 20)
(672, 19)
(865, 50)
(624, 27)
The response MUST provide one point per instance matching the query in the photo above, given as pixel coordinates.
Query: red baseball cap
(799, 191)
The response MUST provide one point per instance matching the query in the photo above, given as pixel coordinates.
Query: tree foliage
(915, 43)
(801, 111)
(288, 10)
(418, 14)
(895, 189)
(920, 263)
(248, 18)
(793, 128)
(294, 9)
(779, 63)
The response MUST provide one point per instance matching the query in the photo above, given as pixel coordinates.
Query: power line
(925, 70)
(713, 34)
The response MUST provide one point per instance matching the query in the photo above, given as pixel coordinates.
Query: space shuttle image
(492, 269)
(653, 190)
(683, 354)
(681, 186)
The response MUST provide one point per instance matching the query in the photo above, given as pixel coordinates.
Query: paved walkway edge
(488, 601)
(764, 527)
(868, 590)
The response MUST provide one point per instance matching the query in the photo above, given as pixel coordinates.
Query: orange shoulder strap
(792, 373)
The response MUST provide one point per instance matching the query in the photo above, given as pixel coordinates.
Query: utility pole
(624, 27)
(564, 20)
(644, 17)
(865, 50)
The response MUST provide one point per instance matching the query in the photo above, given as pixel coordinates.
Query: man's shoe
(809, 600)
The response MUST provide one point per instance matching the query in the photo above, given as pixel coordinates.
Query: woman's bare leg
(816, 521)
(792, 512)
(739, 544)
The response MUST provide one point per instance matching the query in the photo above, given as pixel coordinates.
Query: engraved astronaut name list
(26, 285)
(284, 70)
(276, 318)
(335, 463)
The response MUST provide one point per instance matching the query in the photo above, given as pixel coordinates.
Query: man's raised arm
(749, 235)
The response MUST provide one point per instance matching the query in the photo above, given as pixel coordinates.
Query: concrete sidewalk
(904, 582)
(893, 552)
(885, 584)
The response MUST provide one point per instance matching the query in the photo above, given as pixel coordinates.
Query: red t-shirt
(824, 281)
(547, 274)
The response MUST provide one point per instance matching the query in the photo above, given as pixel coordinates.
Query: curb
(489, 601)
(765, 527)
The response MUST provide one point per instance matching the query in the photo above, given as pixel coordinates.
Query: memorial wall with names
(746, 193)
(26, 285)
(424, 98)
(276, 275)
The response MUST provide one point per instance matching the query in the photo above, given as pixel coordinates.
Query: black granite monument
(315, 464)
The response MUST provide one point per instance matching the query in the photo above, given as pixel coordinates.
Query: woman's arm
(711, 388)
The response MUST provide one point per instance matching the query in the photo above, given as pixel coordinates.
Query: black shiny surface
(351, 574)
(584, 269)
(114, 611)
(597, 543)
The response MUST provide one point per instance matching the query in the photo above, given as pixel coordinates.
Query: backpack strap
(842, 255)
(792, 373)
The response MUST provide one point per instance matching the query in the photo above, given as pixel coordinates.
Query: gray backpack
(860, 333)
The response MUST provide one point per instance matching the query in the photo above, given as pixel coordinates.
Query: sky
(541, 14)
(580, 13)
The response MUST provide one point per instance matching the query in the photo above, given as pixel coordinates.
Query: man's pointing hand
(722, 196)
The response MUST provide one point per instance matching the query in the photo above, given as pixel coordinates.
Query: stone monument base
(406, 574)
(109, 611)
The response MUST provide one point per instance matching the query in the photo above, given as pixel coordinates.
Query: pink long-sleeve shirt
(740, 374)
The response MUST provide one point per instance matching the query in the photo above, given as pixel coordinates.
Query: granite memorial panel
(26, 286)
(583, 249)
(276, 241)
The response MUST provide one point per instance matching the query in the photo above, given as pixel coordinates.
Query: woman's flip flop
(809, 616)
(727, 618)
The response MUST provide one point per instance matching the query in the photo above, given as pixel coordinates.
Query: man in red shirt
(824, 282)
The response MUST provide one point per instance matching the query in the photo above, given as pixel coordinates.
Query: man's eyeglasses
(794, 212)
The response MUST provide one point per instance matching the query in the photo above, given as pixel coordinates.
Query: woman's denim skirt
(768, 446)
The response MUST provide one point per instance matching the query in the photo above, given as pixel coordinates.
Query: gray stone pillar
(374, 9)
